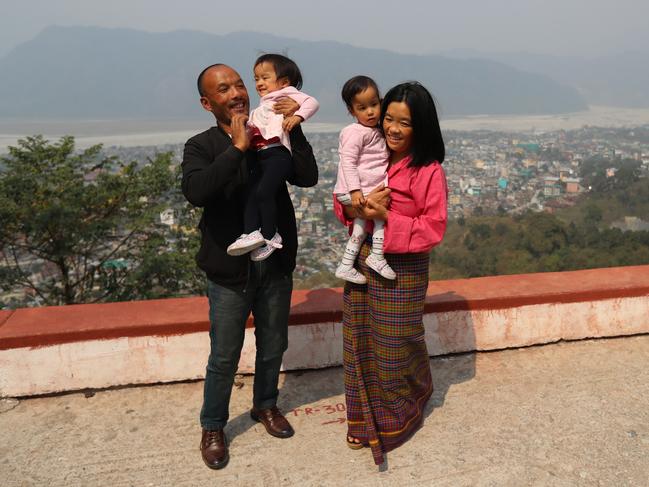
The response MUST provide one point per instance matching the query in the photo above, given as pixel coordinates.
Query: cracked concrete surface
(558, 415)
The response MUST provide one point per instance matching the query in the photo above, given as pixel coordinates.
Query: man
(216, 166)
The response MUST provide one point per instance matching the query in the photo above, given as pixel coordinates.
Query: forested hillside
(580, 237)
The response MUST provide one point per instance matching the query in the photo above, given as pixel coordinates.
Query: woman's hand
(376, 205)
(380, 195)
(375, 211)
(286, 106)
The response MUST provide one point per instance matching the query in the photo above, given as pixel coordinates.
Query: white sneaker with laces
(350, 274)
(262, 253)
(245, 243)
(276, 241)
(381, 266)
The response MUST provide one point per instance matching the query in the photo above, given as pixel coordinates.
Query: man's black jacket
(214, 177)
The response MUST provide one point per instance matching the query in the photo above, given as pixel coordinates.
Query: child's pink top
(269, 123)
(417, 212)
(363, 159)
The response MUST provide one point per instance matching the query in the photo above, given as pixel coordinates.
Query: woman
(387, 373)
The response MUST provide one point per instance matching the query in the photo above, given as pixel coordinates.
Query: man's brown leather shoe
(214, 449)
(275, 423)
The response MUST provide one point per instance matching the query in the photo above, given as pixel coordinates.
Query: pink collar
(399, 164)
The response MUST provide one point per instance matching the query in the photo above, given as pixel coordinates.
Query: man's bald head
(222, 92)
(199, 81)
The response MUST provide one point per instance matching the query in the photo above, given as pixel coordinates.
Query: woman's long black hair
(427, 142)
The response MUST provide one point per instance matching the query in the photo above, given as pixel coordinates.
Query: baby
(276, 77)
(362, 167)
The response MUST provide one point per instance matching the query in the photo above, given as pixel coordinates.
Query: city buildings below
(488, 173)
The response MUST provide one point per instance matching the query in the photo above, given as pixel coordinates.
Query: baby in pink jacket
(362, 167)
(276, 77)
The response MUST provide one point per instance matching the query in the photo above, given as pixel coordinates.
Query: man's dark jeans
(268, 296)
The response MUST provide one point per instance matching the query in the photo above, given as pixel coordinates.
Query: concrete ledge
(50, 325)
(54, 349)
(498, 292)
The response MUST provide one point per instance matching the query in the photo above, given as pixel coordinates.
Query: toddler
(362, 167)
(276, 76)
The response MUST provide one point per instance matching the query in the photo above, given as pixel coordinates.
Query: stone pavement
(566, 414)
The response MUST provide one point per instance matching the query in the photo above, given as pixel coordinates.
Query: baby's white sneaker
(262, 253)
(350, 274)
(380, 265)
(246, 242)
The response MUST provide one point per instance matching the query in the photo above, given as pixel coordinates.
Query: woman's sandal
(354, 443)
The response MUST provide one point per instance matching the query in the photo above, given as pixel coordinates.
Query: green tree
(593, 214)
(543, 234)
(627, 174)
(79, 227)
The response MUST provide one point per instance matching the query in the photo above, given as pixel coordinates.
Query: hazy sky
(582, 27)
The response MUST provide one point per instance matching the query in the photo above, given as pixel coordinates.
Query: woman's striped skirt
(387, 371)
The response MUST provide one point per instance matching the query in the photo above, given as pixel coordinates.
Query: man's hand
(357, 199)
(240, 137)
(290, 122)
(286, 106)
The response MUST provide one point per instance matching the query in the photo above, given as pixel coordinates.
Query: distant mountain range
(620, 80)
(88, 72)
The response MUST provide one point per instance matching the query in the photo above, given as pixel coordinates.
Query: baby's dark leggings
(274, 167)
